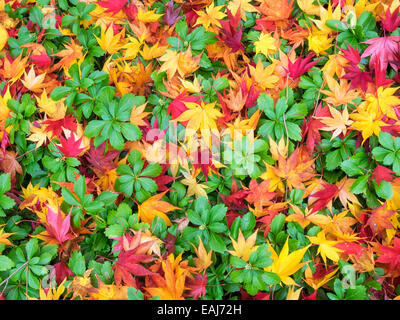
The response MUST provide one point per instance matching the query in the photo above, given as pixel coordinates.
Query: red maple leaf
(251, 93)
(235, 200)
(57, 226)
(391, 255)
(383, 49)
(55, 126)
(357, 77)
(196, 286)
(132, 253)
(231, 32)
(300, 66)
(41, 61)
(163, 179)
(62, 272)
(382, 173)
(177, 106)
(351, 55)
(113, 6)
(311, 126)
(101, 160)
(391, 20)
(71, 146)
(380, 75)
(324, 196)
(350, 248)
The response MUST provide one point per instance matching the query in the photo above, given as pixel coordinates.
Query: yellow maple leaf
(266, 44)
(293, 294)
(172, 285)
(308, 7)
(243, 248)
(109, 292)
(38, 135)
(264, 77)
(319, 41)
(4, 110)
(325, 15)
(368, 122)
(200, 117)
(4, 236)
(132, 47)
(364, 5)
(170, 65)
(286, 264)
(148, 16)
(153, 207)
(194, 188)
(243, 5)
(54, 110)
(155, 51)
(326, 247)
(210, 17)
(3, 36)
(51, 293)
(382, 103)
(109, 42)
(315, 281)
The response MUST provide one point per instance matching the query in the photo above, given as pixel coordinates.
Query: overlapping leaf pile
(227, 149)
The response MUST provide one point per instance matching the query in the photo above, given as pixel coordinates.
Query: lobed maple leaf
(379, 219)
(171, 14)
(390, 255)
(337, 123)
(391, 21)
(132, 254)
(203, 260)
(70, 146)
(320, 277)
(296, 169)
(113, 6)
(196, 286)
(382, 173)
(172, 284)
(9, 164)
(312, 125)
(300, 66)
(383, 49)
(57, 227)
(243, 248)
(153, 207)
(4, 236)
(100, 159)
(55, 126)
(231, 32)
(326, 248)
(287, 264)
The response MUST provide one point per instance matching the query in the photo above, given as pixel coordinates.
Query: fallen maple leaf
(153, 207)
(57, 227)
(286, 264)
(243, 248)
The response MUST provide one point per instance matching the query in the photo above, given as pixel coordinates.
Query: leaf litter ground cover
(227, 149)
